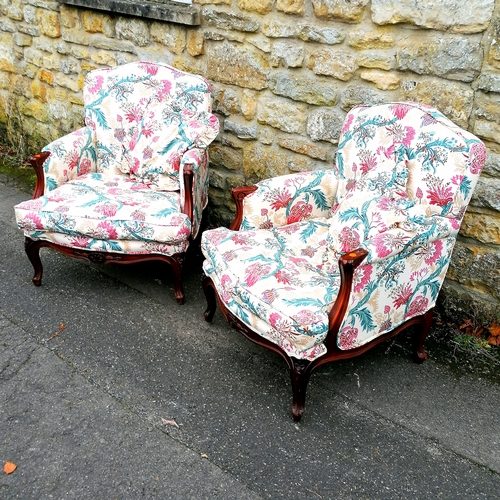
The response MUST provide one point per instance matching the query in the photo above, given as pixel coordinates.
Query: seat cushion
(114, 246)
(276, 281)
(106, 208)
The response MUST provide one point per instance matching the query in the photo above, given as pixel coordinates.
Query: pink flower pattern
(347, 337)
(105, 231)
(362, 278)
(255, 272)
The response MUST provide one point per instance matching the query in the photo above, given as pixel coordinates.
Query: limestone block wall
(285, 72)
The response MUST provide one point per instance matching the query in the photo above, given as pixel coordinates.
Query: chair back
(409, 153)
(406, 175)
(145, 115)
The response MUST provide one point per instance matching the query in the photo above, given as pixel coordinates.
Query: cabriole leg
(176, 262)
(209, 290)
(421, 331)
(300, 375)
(32, 248)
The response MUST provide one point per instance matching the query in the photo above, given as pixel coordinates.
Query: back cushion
(401, 163)
(146, 115)
(409, 151)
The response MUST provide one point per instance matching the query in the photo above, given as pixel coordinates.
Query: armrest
(64, 159)
(348, 263)
(285, 199)
(403, 240)
(193, 180)
(394, 284)
(384, 226)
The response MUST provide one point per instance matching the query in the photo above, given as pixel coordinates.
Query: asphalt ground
(110, 389)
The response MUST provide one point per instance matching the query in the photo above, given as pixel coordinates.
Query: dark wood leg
(421, 331)
(209, 290)
(299, 373)
(32, 248)
(176, 262)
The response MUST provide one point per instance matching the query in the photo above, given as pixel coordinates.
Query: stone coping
(163, 10)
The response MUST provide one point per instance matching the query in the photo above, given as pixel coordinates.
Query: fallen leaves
(494, 338)
(9, 467)
(62, 326)
(471, 328)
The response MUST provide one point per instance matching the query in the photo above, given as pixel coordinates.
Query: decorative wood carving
(33, 247)
(239, 194)
(37, 162)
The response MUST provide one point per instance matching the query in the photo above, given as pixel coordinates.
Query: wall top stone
(456, 16)
(165, 11)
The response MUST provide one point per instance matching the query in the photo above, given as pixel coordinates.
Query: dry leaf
(204, 455)
(173, 423)
(495, 329)
(9, 467)
(470, 329)
(62, 326)
(493, 340)
(478, 331)
(467, 326)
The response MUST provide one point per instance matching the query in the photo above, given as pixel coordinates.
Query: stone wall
(285, 72)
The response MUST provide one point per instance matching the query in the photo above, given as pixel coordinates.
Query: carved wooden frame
(301, 370)
(33, 246)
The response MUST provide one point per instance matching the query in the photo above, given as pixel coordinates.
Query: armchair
(322, 266)
(131, 185)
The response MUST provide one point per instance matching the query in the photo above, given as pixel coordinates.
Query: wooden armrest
(347, 264)
(37, 162)
(188, 191)
(239, 194)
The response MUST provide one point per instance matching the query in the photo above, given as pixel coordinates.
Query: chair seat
(277, 281)
(99, 207)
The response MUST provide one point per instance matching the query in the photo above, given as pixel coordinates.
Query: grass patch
(15, 170)
(463, 346)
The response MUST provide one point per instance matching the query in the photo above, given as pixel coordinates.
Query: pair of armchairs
(131, 185)
(317, 266)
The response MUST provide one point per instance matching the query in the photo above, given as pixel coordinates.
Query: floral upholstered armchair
(321, 266)
(132, 184)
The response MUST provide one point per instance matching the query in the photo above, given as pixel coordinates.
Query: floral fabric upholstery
(420, 170)
(263, 276)
(97, 207)
(197, 159)
(405, 176)
(289, 198)
(145, 117)
(70, 156)
(117, 184)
